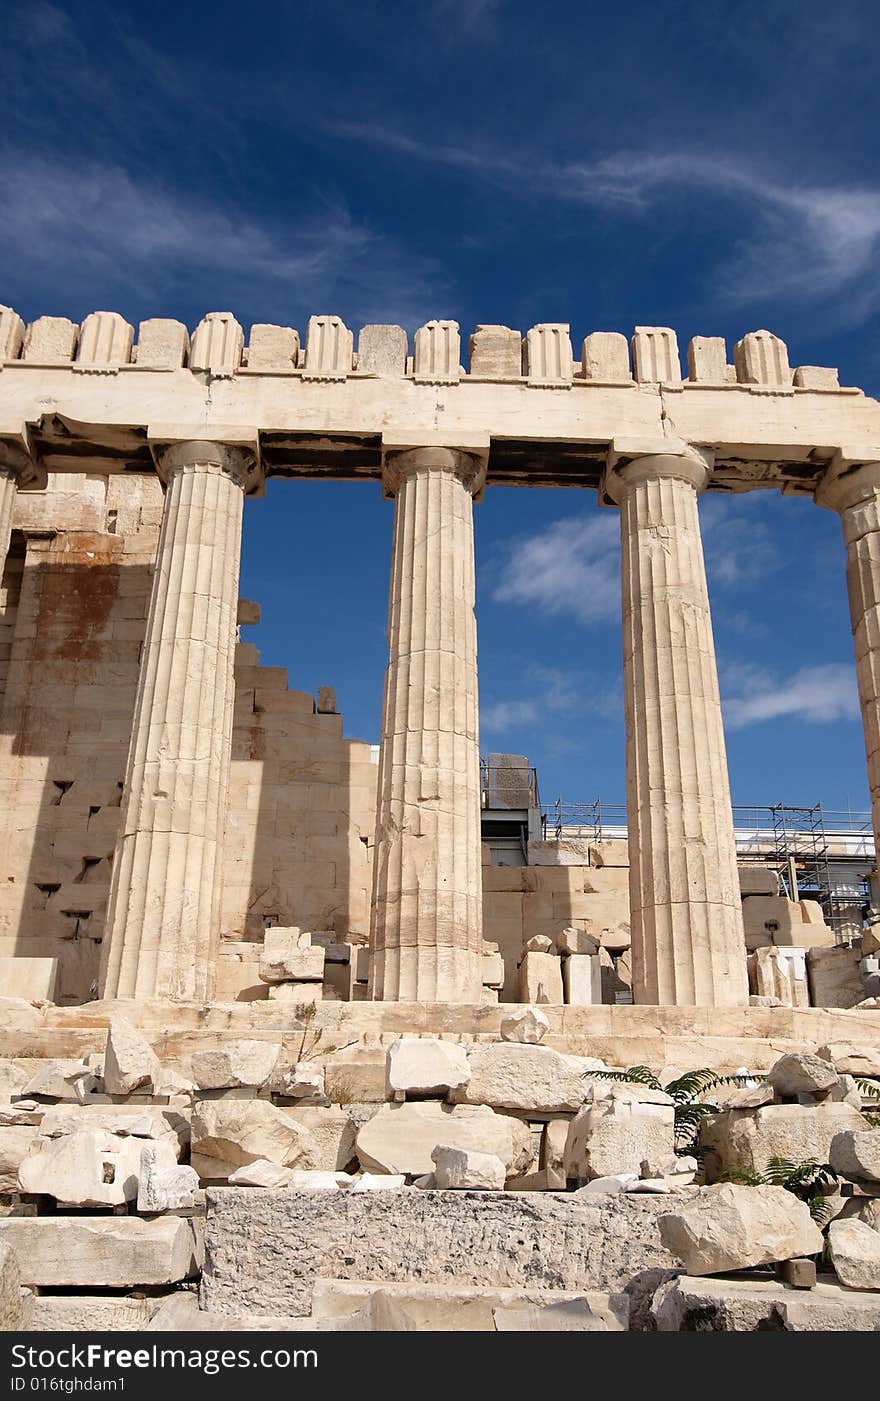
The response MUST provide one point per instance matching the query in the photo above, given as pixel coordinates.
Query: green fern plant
(812, 1182)
(690, 1111)
(871, 1089)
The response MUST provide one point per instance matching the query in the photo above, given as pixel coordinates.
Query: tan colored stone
(780, 974)
(508, 1075)
(226, 1134)
(105, 338)
(437, 353)
(751, 1137)
(116, 1252)
(728, 1227)
(762, 358)
(15, 1145)
(236, 1063)
(329, 348)
(856, 1154)
(685, 907)
(91, 1168)
(547, 355)
(11, 334)
(496, 353)
(655, 355)
(426, 935)
(835, 979)
(855, 1253)
(402, 1137)
(796, 1073)
(582, 980)
(605, 357)
(164, 1186)
(426, 1066)
(382, 351)
(816, 377)
(707, 360)
(162, 344)
(526, 1025)
(850, 1059)
(61, 1079)
(273, 348)
(618, 1128)
(217, 344)
(130, 1062)
(50, 340)
(11, 1312)
(465, 1169)
(540, 979)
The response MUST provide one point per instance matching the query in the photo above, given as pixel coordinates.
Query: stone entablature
(314, 411)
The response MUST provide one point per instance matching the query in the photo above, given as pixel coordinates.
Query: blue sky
(707, 166)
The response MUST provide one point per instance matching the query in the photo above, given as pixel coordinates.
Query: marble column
(851, 487)
(686, 914)
(426, 931)
(163, 921)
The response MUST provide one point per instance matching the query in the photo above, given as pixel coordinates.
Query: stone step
(720, 1305)
(115, 1252)
(89, 1313)
(457, 1307)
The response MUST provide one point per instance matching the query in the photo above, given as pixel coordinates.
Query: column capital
(853, 475)
(17, 459)
(468, 464)
(634, 460)
(235, 451)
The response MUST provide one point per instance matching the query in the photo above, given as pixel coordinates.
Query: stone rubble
(728, 1227)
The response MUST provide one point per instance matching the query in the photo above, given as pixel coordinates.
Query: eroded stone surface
(728, 1227)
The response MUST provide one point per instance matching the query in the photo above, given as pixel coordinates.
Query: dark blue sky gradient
(707, 166)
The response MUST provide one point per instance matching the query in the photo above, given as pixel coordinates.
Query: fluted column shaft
(426, 930)
(852, 488)
(162, 932)
(686, 912)
(8, 491)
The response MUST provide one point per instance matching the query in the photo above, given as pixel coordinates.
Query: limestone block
(163, 1186)
(582, 980)
(316, 1180)
(226, 1134)
(510, 1075)
(773, 919)
(575, 940)
(402, 1137)
(752, 1097)
(329, 348)
(162, 344)
(762, 358)
(384, 1181)
(15, 1145)
(855, 1253)
(91, 1168)
(34, 979)
(464, 1169)
(356, 1075)
(605, 357)
(526, 1025)
(130, 1062)
(758, 880)
(287, 956)
(751, 1137)
(382, 351)
(272, 348)
(90, 1313)
(728, 1227)
(260, 1173)
(493, 970)
(655, 355)
(50, 340)
(217, 344)
(495, 353)
(144, 1121)
(547, 355)
(303, 1081)
(687, 1305)
(437, 353)
(707, 360)
(618, 1128)
(297, 994)
(849, 1059)
(539, 943)
(11, 334)
(62, 1079)
(274, 1251)
(540, 979)
(326, 701)
(816, 377)
(234, 1064)
(426, 1066)
(779, 973)
(331, 1133)
(799, 1073)
(113, 1252)
(835, 980)
(105, 338)
(11, 1313)
(856, 1154)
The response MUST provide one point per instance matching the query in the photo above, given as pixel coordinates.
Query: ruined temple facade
(166, 799)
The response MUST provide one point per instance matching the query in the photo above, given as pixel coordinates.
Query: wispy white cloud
(797, 239)
(549, 697)
(95, 229)
(738, 544)
(570, 567)
(814, 694)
